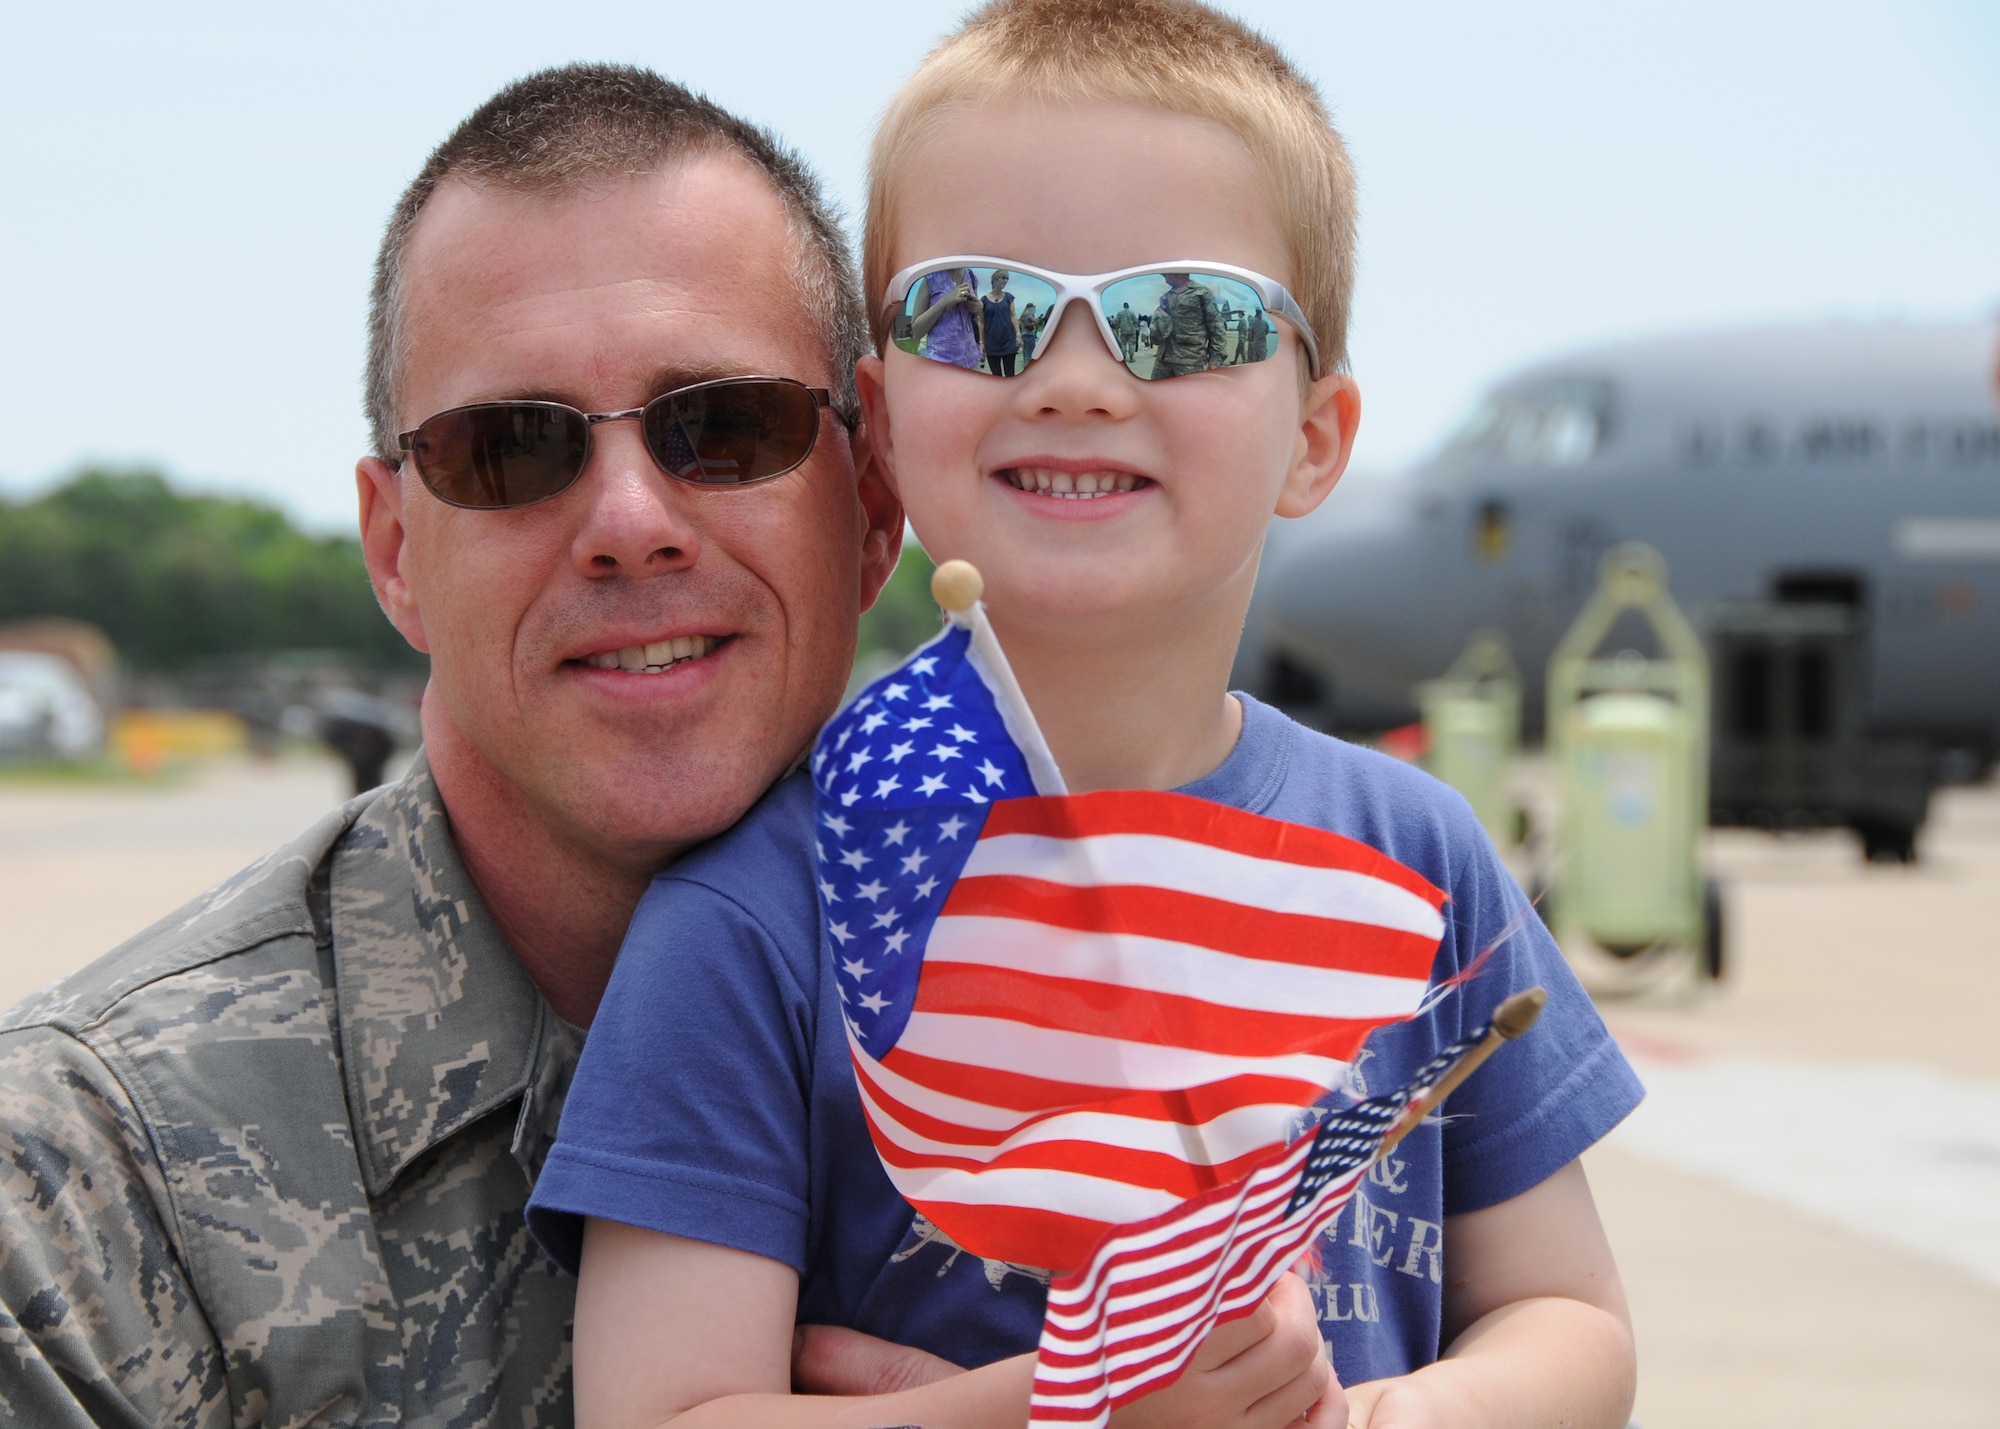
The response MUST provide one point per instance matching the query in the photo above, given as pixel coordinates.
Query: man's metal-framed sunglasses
(1159, 319)
(728, 432)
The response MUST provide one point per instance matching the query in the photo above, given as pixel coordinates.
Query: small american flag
(1069, 1013)
(1127, 1323)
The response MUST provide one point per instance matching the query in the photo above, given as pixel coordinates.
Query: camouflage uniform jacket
(1195, 340)
(266, 1163)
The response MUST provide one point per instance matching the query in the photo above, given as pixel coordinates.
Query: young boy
(1116, 503)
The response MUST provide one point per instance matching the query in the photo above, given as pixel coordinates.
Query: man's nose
(637, 519)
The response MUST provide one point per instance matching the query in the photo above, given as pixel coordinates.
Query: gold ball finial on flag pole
(956, 585)
(1510, 1019)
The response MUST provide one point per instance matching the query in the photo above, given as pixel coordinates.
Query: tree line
(179, 579)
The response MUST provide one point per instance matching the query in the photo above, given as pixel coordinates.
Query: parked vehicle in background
(46, 709)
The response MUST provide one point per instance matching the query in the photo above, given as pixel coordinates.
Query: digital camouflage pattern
(1195, 339)
(266, 1163)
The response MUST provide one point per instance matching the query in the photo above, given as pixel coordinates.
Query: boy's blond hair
(1171, 55)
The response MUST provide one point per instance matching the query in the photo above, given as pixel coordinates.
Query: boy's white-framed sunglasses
(1158, 319)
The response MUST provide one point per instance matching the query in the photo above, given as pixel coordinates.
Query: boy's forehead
(1084, 188)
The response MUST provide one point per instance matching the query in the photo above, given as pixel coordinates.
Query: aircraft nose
(1370, 603)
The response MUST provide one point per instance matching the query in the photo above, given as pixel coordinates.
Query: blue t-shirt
(715, 1099)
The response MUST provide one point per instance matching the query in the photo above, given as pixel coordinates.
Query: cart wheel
(1712, 943)
(1887, 842)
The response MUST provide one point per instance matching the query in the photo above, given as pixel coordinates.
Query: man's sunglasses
(1160, 320)
(734, 431)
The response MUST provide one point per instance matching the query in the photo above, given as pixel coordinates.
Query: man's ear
(380, 490)
(1331, 413)
(882, 511)
(871, 388)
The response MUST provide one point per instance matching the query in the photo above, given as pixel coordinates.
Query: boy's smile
(1066, 481)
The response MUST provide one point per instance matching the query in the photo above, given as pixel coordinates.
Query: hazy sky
(193, 193)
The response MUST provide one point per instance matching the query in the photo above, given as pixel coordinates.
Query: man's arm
(1535, 1324)
(98, 1323)
(670, 1330)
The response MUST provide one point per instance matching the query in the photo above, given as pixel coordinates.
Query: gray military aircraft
(1828, 502)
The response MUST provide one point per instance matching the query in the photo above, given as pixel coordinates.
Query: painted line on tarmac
(1897, 1152)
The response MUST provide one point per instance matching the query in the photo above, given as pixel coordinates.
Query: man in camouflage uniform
(1256, 328)
(266, 1163)
(1125, 323)
(1188, 334)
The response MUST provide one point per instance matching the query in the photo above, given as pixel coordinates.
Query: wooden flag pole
(957, 586)
(1510, 1019)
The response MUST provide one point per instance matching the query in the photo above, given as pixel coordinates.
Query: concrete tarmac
(1806, 1212)
(85, 866)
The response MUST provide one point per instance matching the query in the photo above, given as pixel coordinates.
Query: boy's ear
(1329, 415)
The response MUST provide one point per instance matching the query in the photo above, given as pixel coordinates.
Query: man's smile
(654, 656)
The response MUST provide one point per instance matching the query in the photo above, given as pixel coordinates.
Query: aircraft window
(1557, 424)
(1490, 538)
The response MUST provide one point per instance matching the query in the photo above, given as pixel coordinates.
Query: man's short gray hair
(583, 124)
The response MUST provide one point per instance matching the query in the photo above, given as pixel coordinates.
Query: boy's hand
(1266, 1371)
(1535, 1322)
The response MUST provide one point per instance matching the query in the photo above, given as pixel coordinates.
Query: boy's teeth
(650, 659)
(1071, 487)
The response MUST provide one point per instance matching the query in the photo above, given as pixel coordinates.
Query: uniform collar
(439, 1024)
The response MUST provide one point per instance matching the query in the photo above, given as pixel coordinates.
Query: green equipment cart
(1629, 736)
(1472, 730)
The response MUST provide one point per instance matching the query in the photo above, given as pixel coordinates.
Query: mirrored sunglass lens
(983, 319)
(732, 432)
(1170, 324)
(512, 455)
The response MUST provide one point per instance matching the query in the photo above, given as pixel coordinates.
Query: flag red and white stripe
(1129, 1322)
(1125, 1001)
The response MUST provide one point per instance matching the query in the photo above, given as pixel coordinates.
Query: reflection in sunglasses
(1161, 323)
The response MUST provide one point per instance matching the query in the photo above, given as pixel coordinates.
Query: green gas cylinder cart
(1472, 729)
(1629, 735)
